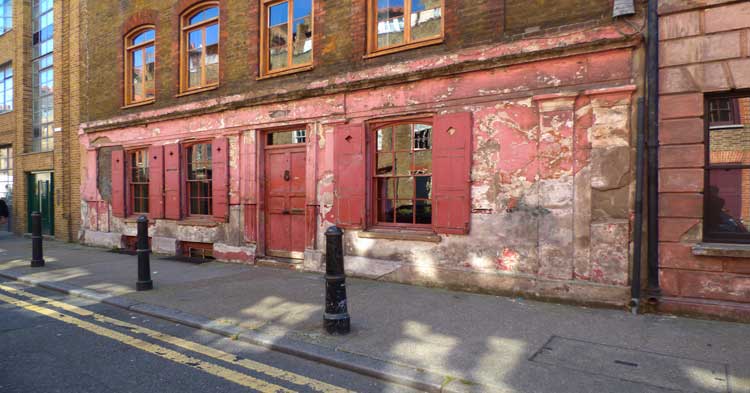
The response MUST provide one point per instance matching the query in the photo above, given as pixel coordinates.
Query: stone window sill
(400, 235)
(722, 250)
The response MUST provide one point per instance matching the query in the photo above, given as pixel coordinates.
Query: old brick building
(484, 145)
(704, 181)
(39, 150)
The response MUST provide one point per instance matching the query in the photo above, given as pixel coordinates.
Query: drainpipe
(635, 281)
(652, 85)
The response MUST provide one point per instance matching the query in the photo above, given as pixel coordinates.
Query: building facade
(704, 180)
(39, 160)
(485, 146)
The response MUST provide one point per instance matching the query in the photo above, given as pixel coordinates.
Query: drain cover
(637, 366)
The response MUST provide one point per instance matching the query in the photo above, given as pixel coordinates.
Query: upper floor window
(6, 88)
(286, 35)
(6, 15)
(401, 24)
(402, 175)
(727, 194)
(200, 47)
(199, 175)
(43, 76)
(138, 181)
(140, 61)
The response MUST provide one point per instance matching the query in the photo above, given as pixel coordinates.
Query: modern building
(484, 145)
(39, 154)
(704, 180)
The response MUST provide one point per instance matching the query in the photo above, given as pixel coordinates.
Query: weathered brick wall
(704, 48)
(339, 43)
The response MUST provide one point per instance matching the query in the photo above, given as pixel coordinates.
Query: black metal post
(144, 264)
(336, 317)
(37, 254)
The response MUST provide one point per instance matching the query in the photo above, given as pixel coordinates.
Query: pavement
(428, 339)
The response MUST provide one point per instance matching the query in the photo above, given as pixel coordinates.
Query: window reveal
(727, 194)
(402, 178)
(199, 175)
(138, 181)
(140, 66)
(200, 48)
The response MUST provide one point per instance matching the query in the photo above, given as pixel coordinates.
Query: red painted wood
(349, 174)
(172, 182)
(251, 223)
(118, 183)
(220, 178)
(451, 163)
(285, 174)
(156, 182)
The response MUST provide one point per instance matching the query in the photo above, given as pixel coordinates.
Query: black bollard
(336, 318)
(37, 255)
(144, 264)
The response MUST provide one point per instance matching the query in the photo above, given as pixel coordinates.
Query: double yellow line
(166, 353)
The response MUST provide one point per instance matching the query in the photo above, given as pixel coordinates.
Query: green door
(41, 199)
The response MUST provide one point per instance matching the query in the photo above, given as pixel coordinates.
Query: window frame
(372, 33)
(9, 27)
(185, 30)
(129, 50)
(371, 167)
(3, 69)
(130, 205)
(734, 112)
(186, 178)
(719, 237)
(265, 61)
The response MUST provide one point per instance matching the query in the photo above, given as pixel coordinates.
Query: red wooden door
(285, 201)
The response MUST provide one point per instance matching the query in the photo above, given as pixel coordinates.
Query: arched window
(402, 174)
(140, 66)
(199, 67)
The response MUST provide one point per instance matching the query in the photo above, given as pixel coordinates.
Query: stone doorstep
(388, 371)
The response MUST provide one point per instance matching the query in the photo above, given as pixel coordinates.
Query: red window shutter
(172, 182)
(349, 153)
(220, 178)
(156, 182)
(118, 183)
(451, 173)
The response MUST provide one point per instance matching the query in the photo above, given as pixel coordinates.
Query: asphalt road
(50, 342)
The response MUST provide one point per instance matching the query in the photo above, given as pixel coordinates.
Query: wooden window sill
(400, 235)
(727, 250)
(137, 104)
(199, 90)
(285, 72)
(198, 222)
(401, 48)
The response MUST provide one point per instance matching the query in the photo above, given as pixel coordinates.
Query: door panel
(41, 199)
(285, 201)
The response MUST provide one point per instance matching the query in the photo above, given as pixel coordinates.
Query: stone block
(681, 105)
(556, 193)
(556, 244)
(709, 77)
(680, 256)
(673, 229)
(681, 131)
(314, 261)
(729, 17)
(685, 24)
(225, 252)
(700, 49)
(738, 266)
(676, 80)
(681, 180)
(610, 167)
(740, 70)
(714, 286)
(611, 126)
(684, 156)
(610, 204)
(164, 245)
(669, 282)
(582, 225)
(112, 240)
(610, 252)
(681, 205)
